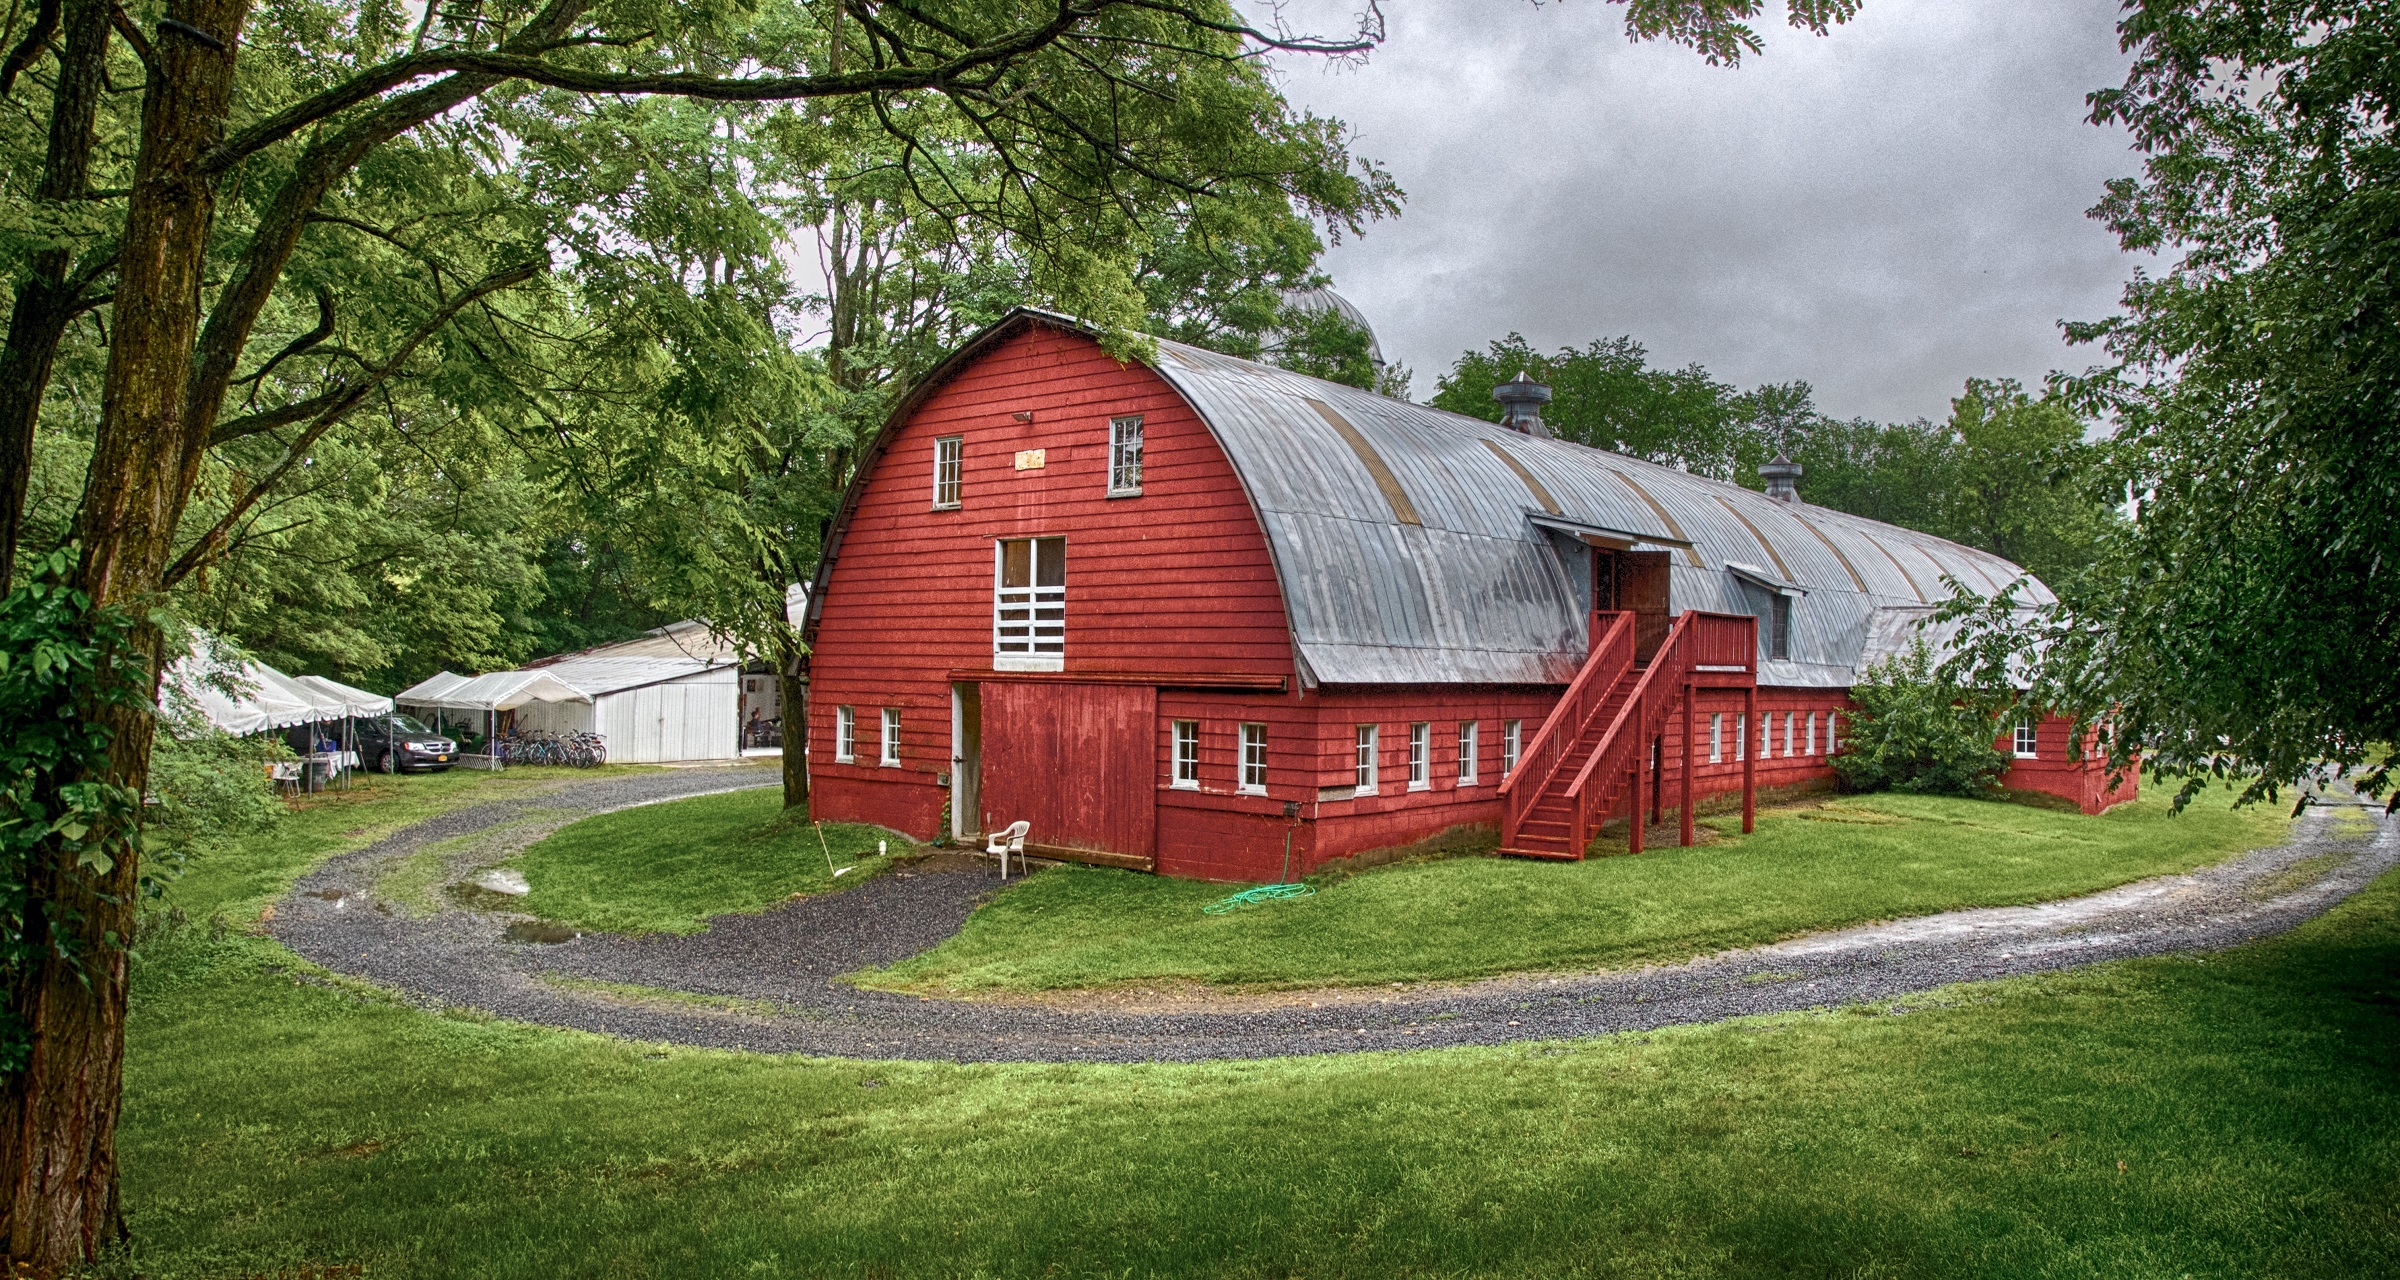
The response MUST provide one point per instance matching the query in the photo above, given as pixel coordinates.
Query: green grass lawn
(1805, 868)
(666, 868)
(2232, 1116)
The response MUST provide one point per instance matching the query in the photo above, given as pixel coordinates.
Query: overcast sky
(1884, 212)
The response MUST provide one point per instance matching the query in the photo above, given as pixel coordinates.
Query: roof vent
(1523, 399)
(1783, 479)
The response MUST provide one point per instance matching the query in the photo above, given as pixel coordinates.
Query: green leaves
(1916, 730)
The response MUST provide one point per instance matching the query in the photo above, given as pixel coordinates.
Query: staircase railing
(1717, 641)
(1540, 760)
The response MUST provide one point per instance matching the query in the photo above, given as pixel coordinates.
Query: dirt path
(768, 982)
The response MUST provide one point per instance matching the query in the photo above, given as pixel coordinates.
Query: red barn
(1188, 615)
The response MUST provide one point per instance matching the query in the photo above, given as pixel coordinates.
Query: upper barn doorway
(1636, 581)
(1077, 761)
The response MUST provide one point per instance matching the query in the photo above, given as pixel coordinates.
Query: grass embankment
(2233, 1116)
(1805, 868)
(666, 868)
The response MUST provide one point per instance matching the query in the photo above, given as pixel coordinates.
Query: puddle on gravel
(544, 931)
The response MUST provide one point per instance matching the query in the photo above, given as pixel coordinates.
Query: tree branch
(37, 39)
(336, 405)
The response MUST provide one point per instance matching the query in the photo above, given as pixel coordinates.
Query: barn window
(1029, 605)
(891, 736)
(2027, 742)
(1420, 756)
(1832, 719)
(949, 468)
(1716, 737)
(1124, 456)
(1254, 759)
(1779, 628)
(1187, 754)
(845, 734)
(1741, 734)
(1791, 722)
(1812, 733)
(1512, 745)
(1367, 739)
(1467, 753)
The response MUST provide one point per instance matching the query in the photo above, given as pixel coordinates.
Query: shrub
(1914, 731)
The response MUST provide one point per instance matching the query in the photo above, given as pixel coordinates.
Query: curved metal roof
(1412, 546)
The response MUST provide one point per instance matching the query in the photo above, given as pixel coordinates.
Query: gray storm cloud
(1884, 212)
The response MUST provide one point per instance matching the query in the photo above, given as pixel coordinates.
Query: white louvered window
(1029, 605)
(1124, 456)
(1420, 756)
(1254, 759)
(1367, 740)
(891, 737)
(1187, 754)
(845, 734)
(1467, 754)
(949, 470)
(1716, 737)
(2027, 741)
(1512, 745)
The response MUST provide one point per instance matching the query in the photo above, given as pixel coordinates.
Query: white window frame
(2027, 740)
(1832, 744)
(1254, 759)
(1470, 735)
(1812, 733)
(1125, 456)
(949, 472)
(1041, 610)
(1184, 772)
(889, 742)
(1716, 737)
(1791, 722)
(1741, 734)
(1370, 768)
(1512, 745)
(1420, 756)
(845, 735)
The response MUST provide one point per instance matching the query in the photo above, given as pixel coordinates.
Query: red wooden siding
(1068, 758)
(1176, 581)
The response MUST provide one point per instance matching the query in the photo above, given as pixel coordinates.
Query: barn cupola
(1521, 399)
(1782, 477)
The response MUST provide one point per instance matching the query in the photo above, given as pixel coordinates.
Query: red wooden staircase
(1594, 753)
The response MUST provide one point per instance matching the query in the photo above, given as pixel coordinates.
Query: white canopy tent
(488, 694)
(357, 701)
(247, 697)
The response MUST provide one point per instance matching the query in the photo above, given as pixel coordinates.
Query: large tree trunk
(58, 1169)
(795, 723)
(45, 302)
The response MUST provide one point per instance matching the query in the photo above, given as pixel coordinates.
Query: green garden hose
(1264, 892)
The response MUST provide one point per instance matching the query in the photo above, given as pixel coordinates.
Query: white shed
(648, 710)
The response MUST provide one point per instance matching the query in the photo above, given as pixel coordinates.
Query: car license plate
(440, 759)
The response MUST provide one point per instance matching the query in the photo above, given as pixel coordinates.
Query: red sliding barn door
(1078, 761)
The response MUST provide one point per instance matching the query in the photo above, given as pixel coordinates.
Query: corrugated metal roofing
(615, 673)
(1403, 540)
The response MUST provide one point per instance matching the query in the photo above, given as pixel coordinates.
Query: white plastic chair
(1007, 842)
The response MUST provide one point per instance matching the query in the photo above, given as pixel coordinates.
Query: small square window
(1420, 756)
(845, 734)
(2027, 741)
(891, 737)
(1367, 746)
(1254, 759)
(949, 470)
(1512, 745)
(1124, 456)
(1187, 754)
(1467, 752)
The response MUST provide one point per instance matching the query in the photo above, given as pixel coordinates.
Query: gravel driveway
(767, 982)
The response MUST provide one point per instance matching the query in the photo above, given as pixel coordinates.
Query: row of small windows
(1799, 735)
(1253, 772)
(1469, 757)
(1124, 464)
(845, 736)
